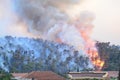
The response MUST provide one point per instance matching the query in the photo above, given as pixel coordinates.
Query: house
(38, 75)
(88, 75)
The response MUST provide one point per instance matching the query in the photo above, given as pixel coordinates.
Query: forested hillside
(27, 54)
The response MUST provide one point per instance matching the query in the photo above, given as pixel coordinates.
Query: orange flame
(95, 59)
(85, 30)
(91, 50)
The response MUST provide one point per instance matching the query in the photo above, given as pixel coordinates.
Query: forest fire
(51, 21)
(93, 54)
(85, 29)
(97, 62)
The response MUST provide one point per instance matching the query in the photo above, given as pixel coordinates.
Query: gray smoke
(51, 20)
(55, 20)
(41, 15)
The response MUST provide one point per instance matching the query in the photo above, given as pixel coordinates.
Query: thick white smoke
(51, 20)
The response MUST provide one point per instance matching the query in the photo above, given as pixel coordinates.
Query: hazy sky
(107, 22)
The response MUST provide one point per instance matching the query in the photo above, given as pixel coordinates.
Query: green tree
(5, 75)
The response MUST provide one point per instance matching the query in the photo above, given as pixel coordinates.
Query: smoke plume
(55, 20)
(50, 19)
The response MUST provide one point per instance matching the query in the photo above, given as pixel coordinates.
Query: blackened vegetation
(26, 55)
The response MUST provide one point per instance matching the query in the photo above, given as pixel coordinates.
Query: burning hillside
(53, 21)
(57, 20)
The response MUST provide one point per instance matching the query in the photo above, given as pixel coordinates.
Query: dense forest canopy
(27, 54)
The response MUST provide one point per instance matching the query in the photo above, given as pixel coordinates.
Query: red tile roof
(44, 75)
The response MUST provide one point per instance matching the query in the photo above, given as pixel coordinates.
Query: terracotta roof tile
(44, 75)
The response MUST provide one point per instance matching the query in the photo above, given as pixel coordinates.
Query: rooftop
(87, 74)
(40, 75)
(77, 75)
